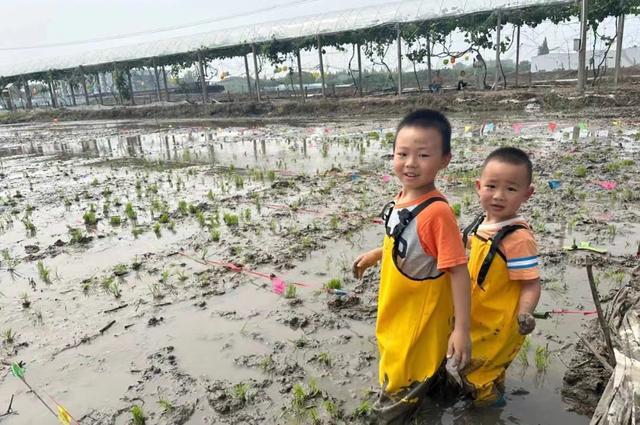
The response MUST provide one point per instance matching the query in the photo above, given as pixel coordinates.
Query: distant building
(569, 60)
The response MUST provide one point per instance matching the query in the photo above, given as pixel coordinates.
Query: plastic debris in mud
(606, 184)
(277, 285)
(488, 128)
(554, 184)
(584, 246)
(552, 126)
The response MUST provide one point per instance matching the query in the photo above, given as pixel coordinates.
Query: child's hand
(526, 323)
(364, 261)
(459, 350)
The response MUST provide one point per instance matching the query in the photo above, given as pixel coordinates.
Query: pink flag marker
(517, 127)
(552, 126)
(277, 285)
(386, 178)
(606, 185)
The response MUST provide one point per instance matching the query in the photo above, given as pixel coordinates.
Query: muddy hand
(526, 323)
(359, 266)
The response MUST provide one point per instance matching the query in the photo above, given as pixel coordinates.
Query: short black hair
(428, 118)
(513, 156)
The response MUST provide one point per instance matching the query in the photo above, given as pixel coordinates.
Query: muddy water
(194, 342)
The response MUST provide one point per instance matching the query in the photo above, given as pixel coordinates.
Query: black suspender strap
(472, 228)
(405, 217)
(495, 244)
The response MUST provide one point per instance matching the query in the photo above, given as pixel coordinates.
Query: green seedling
(8, 336)
(324, 358)
(210, 195)
(456, 209)
(230, 219)
(215, 235)
(363, 409)
(120, 270)
(182, 276)
(114, 289)
(129, 212)
(137, 415)
(523, 354)
(271, 175)
(241, 392)
(166, 405)
(267, 364)
(239, 181)
(137, 231)
(29, 226)
(290, 292)
(43, 272)
(90, 218)
(156, 291)
(24, 300)
(580, 171)
(247, 215)
(183, 207)
(172, 226)
(164, 218)
(164, 277)
(106, 207)
(115, 220)
(156, 230)
(299, 396)
(542, 358)
(136, 264)
(331, 409)
(334, 284)
(95, 182)
(374, 135)
(201, 218)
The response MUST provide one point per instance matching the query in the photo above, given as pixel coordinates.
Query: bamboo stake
(601, 318)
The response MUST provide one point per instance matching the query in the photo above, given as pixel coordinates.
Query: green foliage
(115, 220)
(290, 292)
(43, 272)
(230, 219)
(334, 284)
(137, 415)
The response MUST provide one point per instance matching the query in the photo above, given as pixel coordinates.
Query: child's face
(502, 188)
(418, 157)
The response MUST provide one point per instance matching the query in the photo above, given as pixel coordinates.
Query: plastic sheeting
(304, 26)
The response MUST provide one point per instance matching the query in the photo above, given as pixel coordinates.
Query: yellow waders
(495, 340)
(414, 322)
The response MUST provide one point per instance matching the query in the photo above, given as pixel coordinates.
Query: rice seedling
(164, 277)
(156, 230)
(299, 396)
(166, 405)
(580, 171)
(456, 209)
(8, 336)
(334, 284)
(201, 218)
(267, 364)
(24, 300)
(542, 358)
(374, 135)
(120, 270)
(10, 263)
(114, 289)
(136, 264)
(183, 207)
(95, 182)
(106, 207)
(324, 358)
(611, 231)
(164, 218)
(129, 212)
(89, 217)
(239, 181)
(115, 220)
(43, 272)
(210, 195)
(241, 392)
(156, 291)
(331, 409)
(136, 231)
(137, 415)
(290, 292)
(523, 354)
(29, 226)
(271, 175)
(230, 219)
(247, 215)
(182, 276)
(363, 409)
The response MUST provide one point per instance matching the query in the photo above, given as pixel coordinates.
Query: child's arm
(529, 297)
(460, 342)
(366, 260)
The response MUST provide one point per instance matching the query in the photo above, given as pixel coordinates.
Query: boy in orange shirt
(503, 265)
(423, 275)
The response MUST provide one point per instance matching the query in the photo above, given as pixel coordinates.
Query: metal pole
(517, 54)
(620, 32)
(324, 94)
(166, 88)
(155, 72)
(203, 84)
(399, 39)
(73, 94)
(300, 74)
(52, 93)
(133, 100)
(428, 59)
(498, 27)
(99, 88)
(582, 52)
(255, 68)
(359, 71)
(84, 87)
(27, 93)
(246, 70)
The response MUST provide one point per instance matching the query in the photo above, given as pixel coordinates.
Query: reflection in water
(224, 147)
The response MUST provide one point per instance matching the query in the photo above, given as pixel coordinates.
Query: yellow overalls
(495, 340)
(415, 319)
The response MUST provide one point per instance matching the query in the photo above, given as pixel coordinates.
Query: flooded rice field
(202, 273)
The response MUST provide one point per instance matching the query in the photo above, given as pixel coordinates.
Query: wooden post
(133, 100)
(359, 70)
(399, 39)
(429, 59)
(73, 93)
(52, 93)
(203, 83)
(582, 52)
(601, 319)
(517, 53)
(27, 93)
(255, 68)
(300, 75)
(324, 93)
(99, 88)
(157, 75)
(619, 35)
(166, 87)
(84, 87)
(246, 70)
(498, 27)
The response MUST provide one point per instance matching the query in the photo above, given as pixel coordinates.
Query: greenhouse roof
(286, 29)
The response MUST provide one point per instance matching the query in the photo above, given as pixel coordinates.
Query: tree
(544, 48)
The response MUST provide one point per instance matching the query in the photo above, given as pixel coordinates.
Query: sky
(45, 23)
